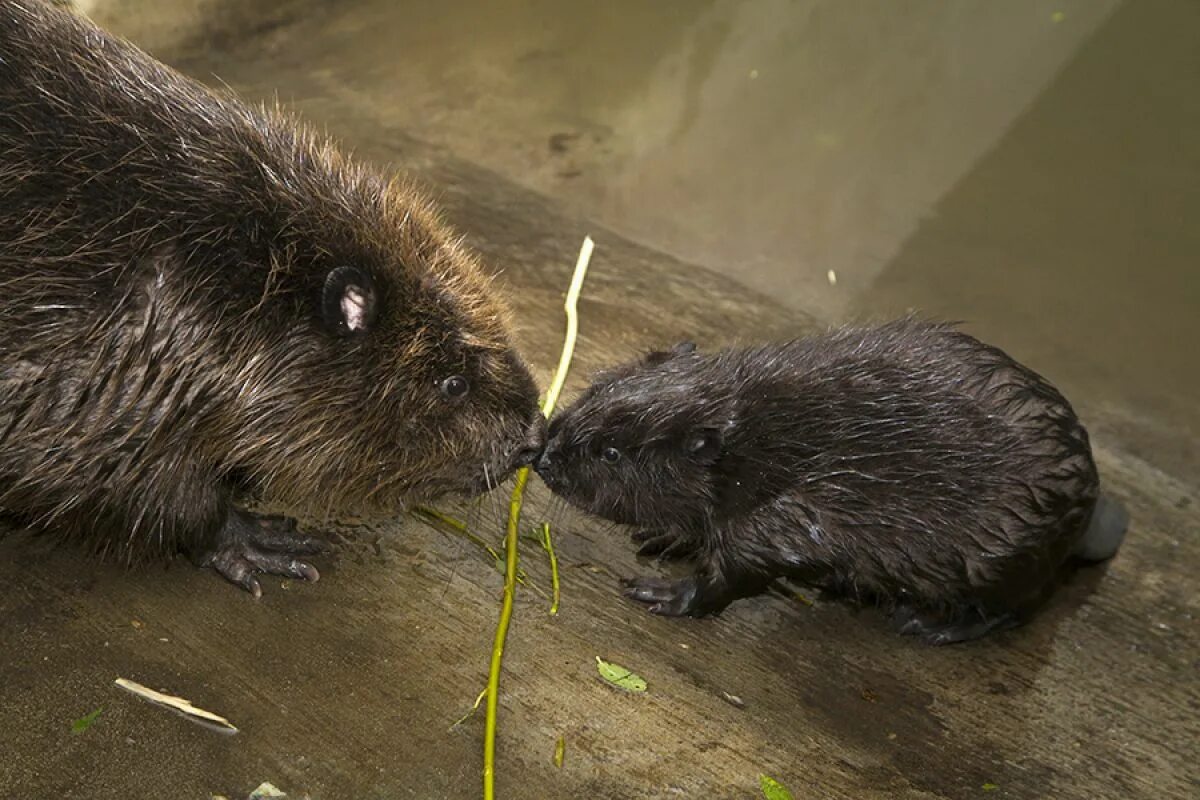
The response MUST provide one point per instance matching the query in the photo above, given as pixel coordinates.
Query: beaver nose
(535, 442)
(526, 456)
(546, 462)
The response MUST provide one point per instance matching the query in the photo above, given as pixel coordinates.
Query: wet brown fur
(163, 253)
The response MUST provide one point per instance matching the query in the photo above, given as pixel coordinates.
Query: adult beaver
(198, 297)
(907, 464)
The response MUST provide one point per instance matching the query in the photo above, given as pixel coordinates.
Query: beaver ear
(349, 302)
(703, 444)
(684, 348)
(657, 357)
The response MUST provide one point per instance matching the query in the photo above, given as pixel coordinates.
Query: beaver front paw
(667, 597)
(694, 596)
(250, 543)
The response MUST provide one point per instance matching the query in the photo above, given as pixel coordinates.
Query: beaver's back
(109, 357)
(107, 157)
(936, 464)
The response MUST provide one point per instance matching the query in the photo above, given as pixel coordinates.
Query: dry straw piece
(179, 705)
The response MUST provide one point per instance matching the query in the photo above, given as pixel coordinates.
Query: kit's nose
(535, 443)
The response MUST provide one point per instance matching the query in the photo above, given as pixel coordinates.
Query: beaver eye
(610, 455)
(455, 387)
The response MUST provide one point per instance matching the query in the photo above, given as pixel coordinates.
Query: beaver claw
(670, 598)
(707, 592)
(250, 544)
(666, 597)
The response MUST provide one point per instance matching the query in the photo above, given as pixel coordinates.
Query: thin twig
(548, 546)
(474, 708)
(440, 521)
(430, 515)
(514, 521)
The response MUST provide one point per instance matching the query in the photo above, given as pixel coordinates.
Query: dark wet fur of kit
(907, 465)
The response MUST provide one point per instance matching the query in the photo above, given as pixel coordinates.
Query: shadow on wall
(772, 140)
(1074, 243)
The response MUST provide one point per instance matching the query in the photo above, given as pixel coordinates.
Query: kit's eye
(610, 455)
(455, 387)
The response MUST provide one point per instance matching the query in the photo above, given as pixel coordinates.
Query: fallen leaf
(560, 751)
(620, 677)
(83, 723)
(266, 790)
(990, 787)
(773, 789)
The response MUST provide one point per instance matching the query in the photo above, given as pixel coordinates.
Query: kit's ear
(349, 302)
(703, 444)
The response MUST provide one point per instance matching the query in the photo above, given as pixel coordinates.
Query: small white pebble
(832, 277)
(164, 639)
(684, 646)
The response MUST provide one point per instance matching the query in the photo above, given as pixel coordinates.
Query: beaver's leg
(713, 587)
(248, 544)
(738, 559)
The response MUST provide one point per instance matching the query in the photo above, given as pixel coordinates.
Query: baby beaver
(908, 465)
(198, 299)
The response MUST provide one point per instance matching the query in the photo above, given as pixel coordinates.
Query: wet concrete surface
(1059, 226)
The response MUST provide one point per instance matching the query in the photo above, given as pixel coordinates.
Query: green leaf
(773, 789)
(83, 723)
(620, 677)
(990, 787)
